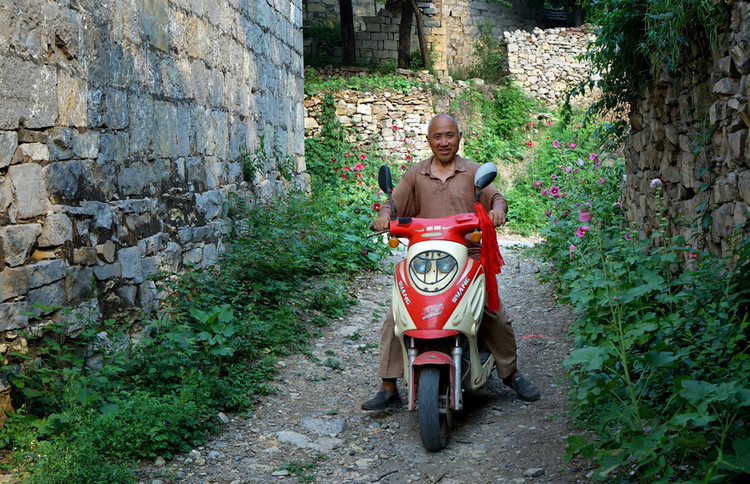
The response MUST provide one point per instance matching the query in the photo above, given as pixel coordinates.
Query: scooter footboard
(431, 358)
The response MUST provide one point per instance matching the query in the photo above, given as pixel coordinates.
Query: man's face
(444, 138)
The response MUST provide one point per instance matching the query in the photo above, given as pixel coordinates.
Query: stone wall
(693, 136)
(543, 61)
(545, 64)
(121, 130)
(395, 120)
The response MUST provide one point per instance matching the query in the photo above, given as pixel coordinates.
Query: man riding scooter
(440, 186)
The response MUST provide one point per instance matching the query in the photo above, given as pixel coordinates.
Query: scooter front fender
(431, 358)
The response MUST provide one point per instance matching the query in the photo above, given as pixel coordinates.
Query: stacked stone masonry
(544, 62)
(122, 125)
(693, 136)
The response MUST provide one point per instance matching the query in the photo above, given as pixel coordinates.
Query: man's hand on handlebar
(381, 224)
(497, 217)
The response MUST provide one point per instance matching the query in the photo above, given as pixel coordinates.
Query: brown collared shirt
(421, 194)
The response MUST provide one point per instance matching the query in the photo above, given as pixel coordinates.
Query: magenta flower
(537, 184)
(572, 250)
(602, 181)
(556, 144)
(553, 176)
(584, 215)
(627, 235)
(593, 156)
(548, 213)
(545, 192)
(572, 146)
(554, 191)
(582, 230)
(568, 169)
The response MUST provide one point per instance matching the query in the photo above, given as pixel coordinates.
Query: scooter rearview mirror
(485, 175)
(384, 179)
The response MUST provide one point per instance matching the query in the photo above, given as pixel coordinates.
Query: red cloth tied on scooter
(489, 256)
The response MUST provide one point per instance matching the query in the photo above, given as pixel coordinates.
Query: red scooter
(439, 295)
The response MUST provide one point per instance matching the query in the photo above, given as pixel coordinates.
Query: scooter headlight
(433, 271)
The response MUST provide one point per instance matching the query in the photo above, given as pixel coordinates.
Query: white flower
(655, 183)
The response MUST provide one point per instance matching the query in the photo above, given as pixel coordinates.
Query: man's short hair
(443, 114)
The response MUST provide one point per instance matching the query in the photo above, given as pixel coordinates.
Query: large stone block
(57, 230)
(141, 110)
(77, 284)
(86, 145)
(60, 143)
(47, 299)
(17, 242)
(130, 260)
(72, 99)
(29, 92)
(8, 145)
(45, 272)
(29, 189)
(155, 23)
(12, 316)
(66, 179)
(743, 184)
(135, 178)
(14, 282)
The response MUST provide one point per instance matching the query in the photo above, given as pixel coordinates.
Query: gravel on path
(311, 429)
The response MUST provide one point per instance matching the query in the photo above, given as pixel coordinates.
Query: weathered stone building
(693, 136)
(122, 124)
(543, 61)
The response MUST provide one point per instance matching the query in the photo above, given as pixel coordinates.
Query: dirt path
(312, 428)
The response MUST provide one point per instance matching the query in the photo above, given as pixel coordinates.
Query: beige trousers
(496, 331)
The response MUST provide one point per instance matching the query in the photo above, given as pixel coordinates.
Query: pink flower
(548, 213)
(584, 215)
(346, 154)
(403, 167)
(343, 177)
(554, 191)
(655, 183)
(568, 169)
(556, 144)
(395, 128)
(549, 123)
(572, 146)
(576, 170)
(346, 168)
(553, 176)
(362, 156)
(408, 158)
(544, 192)
(627, 235)
(582, 230)
(572, 250)
(602, 181)
(593, 156)
(537, 184)
(530, 143)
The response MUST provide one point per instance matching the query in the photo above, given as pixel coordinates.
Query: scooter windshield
(433, 271)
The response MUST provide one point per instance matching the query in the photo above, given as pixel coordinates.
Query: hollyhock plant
(572, 250)
(376, 206)
(572, 146)
(584, 215)
(554, 191)
(537, 184)
(556, 144)
(545, 192)
(582, 230)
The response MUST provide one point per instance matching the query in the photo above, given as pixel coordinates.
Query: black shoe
(383, 399)
(526, 390)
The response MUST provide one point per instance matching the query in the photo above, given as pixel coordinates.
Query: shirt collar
(460, 165)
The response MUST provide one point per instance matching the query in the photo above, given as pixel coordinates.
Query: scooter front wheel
(433, 408)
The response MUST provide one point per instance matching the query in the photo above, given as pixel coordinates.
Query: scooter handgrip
(404, 220)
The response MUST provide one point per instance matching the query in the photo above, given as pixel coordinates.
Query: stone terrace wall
(376, 114)
(544, 61)
(121, 128)
(695, 139)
